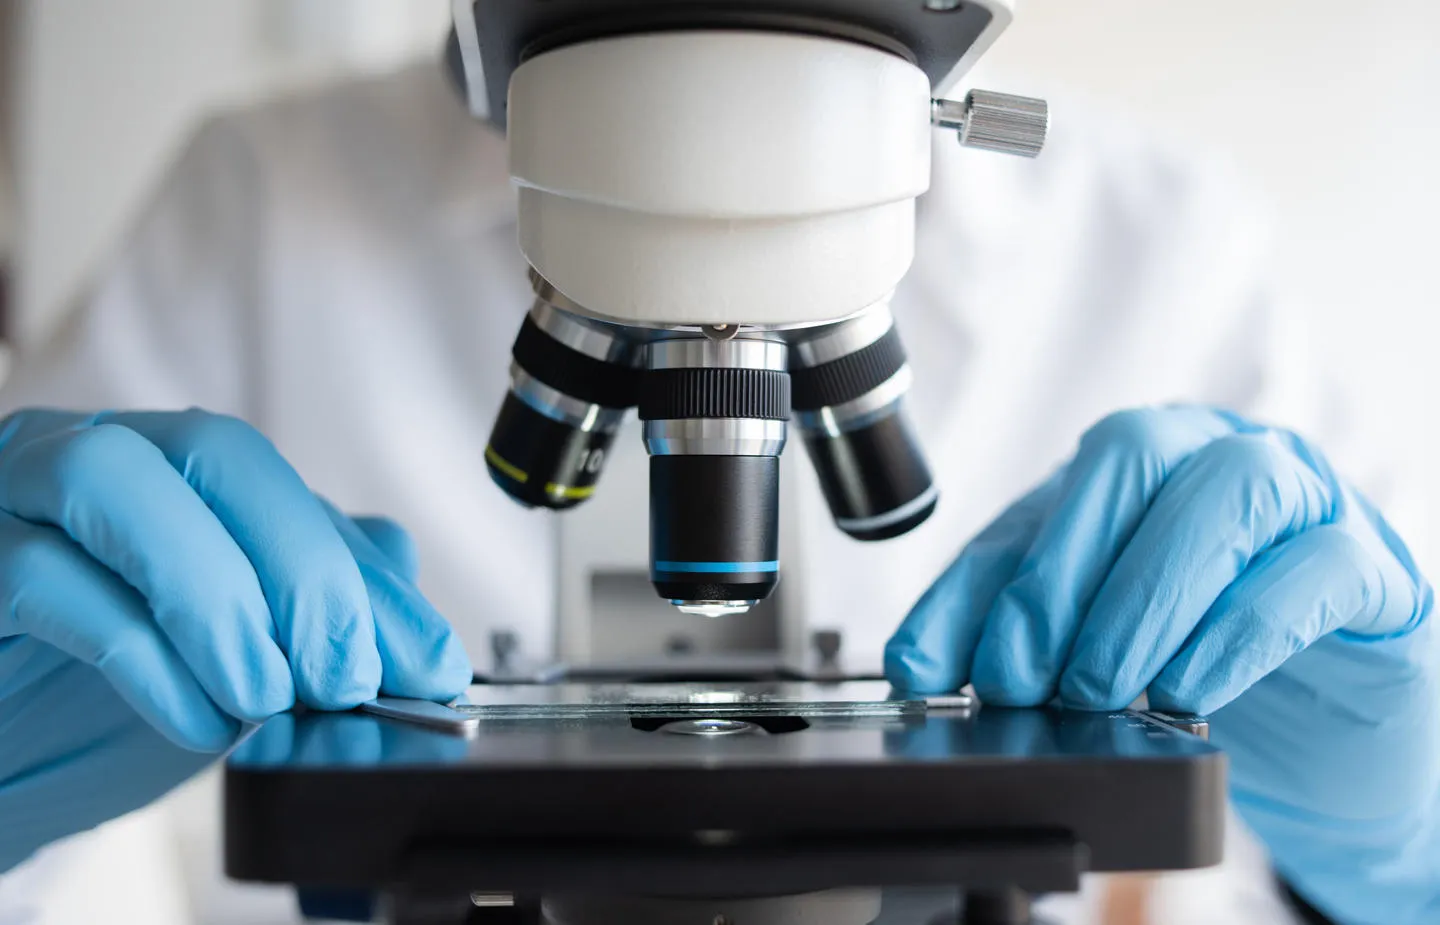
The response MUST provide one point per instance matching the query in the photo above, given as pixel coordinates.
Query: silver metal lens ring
(715, 437)
(557, 406)
(817, 346)
(859, 412)
(598, 340)
(704, 353)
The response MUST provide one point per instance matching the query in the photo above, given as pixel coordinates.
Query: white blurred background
(1326, 107)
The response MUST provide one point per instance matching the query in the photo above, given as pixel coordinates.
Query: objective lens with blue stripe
(714, 528)
(715, 414)
(729, 568)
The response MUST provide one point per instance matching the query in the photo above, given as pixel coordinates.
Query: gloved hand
(178, 559)
(1223, 568)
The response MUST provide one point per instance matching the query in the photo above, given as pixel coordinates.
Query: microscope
(716, 200)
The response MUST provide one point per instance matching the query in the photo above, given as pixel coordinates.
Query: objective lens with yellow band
(541, 462)
(571, 383)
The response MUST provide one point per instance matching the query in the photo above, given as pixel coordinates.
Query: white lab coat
(341, 270)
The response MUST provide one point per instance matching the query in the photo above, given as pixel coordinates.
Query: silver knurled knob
(996, 121)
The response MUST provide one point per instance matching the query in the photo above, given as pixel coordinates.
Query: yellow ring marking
(505, 466)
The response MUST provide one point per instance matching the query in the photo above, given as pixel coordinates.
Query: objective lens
(571, 382)
(850, 379)
(714, 414)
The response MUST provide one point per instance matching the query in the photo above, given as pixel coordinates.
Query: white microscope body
(717, 202)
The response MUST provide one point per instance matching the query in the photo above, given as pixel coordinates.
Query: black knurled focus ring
(577, 375)
(678, 394)
(849, 377)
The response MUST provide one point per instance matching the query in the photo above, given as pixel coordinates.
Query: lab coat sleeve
(1198, 296)
(1273, 365)
(170, 321)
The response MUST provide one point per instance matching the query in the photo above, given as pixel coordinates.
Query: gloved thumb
(394, 541)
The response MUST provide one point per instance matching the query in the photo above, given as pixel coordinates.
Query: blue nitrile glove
(1222, 568)
(180, 559)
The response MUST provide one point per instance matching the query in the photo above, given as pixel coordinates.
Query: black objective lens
(714, 414)
(849, 382)
(571, 382)
(714, 530)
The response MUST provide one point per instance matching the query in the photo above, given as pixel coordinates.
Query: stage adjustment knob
(996, 122)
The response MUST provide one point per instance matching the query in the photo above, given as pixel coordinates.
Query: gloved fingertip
(443, 675)
(343, 689)
(1172, 703)
(1081, 692)
(1010, 692)
(422, 656)
(1168, 696)
(923, 656)
(910, 669)
(1200, 680)
(1011, 666)
(206, 731)
(338, 668)
(272, 691)
(456, 673)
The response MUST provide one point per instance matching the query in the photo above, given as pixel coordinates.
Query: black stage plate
(357, 800)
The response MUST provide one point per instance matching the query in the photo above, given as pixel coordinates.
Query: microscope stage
(569, 784)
